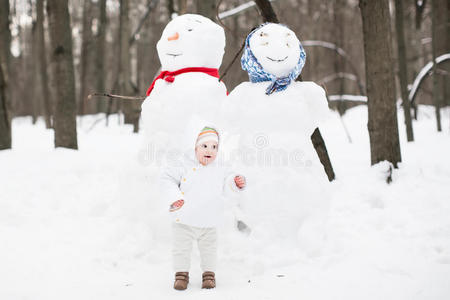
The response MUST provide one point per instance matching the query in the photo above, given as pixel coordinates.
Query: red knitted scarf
(170, 76)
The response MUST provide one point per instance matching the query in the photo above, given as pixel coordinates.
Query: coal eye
(204, 146)
(214, 146)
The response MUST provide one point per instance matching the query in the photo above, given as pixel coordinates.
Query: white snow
(325, 45)
(358, 98)
(86, 224)
(423, 72)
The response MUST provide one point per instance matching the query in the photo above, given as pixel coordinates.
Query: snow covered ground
(85, 224)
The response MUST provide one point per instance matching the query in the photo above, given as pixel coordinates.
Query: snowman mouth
(208, 156)
(277, 60)
(174, 54)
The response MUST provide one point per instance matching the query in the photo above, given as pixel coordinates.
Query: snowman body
(188, 41)
(286, 181)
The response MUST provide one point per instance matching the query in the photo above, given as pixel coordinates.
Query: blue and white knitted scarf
(256, 72)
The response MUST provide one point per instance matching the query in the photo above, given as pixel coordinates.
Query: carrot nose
(173, 37)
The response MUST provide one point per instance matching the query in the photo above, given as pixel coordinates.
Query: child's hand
(240, 181)
(176, 205)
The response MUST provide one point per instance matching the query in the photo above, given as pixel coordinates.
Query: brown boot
(181, 280)
(209, 280)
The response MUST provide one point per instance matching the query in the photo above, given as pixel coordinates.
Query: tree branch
(115, 96)
(150, 7)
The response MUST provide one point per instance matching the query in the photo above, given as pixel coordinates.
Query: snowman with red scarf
(190, 51)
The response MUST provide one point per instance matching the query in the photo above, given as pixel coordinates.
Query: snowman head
(273, 53)
(191, 41)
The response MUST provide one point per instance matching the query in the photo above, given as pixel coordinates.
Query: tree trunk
(442, 47)
(447, 66)
(382, 121)
(434, 43)
(130, 109)
(266, 10)
(182, 7)
(339, 63)
(86, 39)
(170, 8)
(33, 98)
(5, 36)
(42, 63)
(63, 74)
(5, 42)
(402, 66)
(206, 8)
(100, 55)
(5, 122)
(420, 7)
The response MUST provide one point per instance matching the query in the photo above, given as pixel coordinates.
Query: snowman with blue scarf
(272, 118)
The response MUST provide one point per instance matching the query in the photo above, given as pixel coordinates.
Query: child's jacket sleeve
(229, 187)
(170, 184)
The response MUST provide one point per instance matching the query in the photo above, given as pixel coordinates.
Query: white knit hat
(207, 134)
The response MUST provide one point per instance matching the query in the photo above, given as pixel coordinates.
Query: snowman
(274, 117)
(187, 89)
(190, 51)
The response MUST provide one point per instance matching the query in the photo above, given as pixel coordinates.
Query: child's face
(206, 152)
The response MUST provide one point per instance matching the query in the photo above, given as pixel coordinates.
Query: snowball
(299, 109)
(168, 109)
(191, 41)
(276, 48)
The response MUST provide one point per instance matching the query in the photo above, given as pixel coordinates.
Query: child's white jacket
(202, 188)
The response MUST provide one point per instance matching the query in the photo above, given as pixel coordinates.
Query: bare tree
(182, 6)
(100, 53)
(86, 40)
(420, 7)
(206, 8)
(382, 123)
(446, 33)
(5, 123)
(42, 62)
(266, 10)
(131, 109)
(33, 72)
(403, 71)
(63, 74)
(170, 7)
(5, 42)
(436, 90)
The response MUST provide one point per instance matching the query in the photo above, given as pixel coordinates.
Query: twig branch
(111, 96)
(237, 9)
(150, 7)
(232, 62)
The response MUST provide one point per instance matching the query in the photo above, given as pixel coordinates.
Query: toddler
(195, 188)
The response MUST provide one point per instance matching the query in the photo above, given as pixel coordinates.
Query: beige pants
(183, 238)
